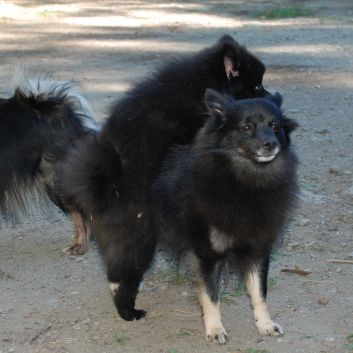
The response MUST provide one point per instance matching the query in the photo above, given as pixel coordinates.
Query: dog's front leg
(209, 276)
(256, 283)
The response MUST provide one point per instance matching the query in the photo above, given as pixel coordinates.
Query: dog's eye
(275, 127)
(246, 128)
(258, 88)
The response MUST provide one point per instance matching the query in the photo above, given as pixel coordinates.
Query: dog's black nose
(269, 145)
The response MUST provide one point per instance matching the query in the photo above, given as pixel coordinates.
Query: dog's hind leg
(209, 277)
(127, 267)
(80, 245)
(256, 283)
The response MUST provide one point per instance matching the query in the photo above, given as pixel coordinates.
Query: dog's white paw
(269, 328)
(113, 287)
(217, 333)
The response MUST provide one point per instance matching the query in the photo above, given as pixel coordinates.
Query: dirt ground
(50, 302)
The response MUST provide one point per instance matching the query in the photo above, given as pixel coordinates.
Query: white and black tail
(38, 125)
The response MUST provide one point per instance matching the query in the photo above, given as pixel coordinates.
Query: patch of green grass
(225, 7)
(308, 186)
(45, 13)
(180, 334)
(174, 277)
(271, 282)
(276, 253)
(172, 350)
(191, 10)
(237, 291)
(349, 338)
(285, 253)
(224, 298)
(121, 339)
(174, 29)
(251, 350)
(277, 13)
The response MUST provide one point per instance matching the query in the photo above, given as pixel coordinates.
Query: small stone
(294, 88)
(304, 222)
(339, 269)
(343, 244)
(79, 258)
(184, 294)
(322, 131)
(163, 287)
(333, 170)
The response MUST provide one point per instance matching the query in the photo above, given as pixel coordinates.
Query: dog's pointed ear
(289, 125)
(215, 103)
(277, 99)
(229, 50)
(229, 67)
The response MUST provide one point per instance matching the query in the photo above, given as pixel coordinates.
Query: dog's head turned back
(242, 71)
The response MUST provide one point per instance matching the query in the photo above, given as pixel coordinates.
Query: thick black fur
(212, 183)
(167, 108)
(218, 185)
(164, 109)
(38, 125)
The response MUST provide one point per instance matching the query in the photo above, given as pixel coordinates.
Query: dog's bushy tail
(89, 178)
(38, 124)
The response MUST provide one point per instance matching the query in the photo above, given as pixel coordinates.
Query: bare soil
(50, 302)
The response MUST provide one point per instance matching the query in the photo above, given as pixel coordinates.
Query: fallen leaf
(296, 270)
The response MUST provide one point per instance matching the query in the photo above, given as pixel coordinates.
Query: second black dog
(226, 198)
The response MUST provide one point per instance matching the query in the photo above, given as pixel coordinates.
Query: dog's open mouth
(265, 156)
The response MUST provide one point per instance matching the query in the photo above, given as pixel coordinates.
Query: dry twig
(339, 261)
(45, 330)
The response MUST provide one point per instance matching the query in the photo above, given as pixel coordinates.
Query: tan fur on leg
(80, 245)
(261, 315)
(212, 317)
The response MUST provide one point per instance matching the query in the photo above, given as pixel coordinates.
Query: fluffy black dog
(37, 127)
(107, 180)
(226, 198)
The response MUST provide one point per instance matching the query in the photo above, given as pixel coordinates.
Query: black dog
(108, 179)
(226, 197)
(37, 127)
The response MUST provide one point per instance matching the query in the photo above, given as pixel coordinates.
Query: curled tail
(38, 124)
